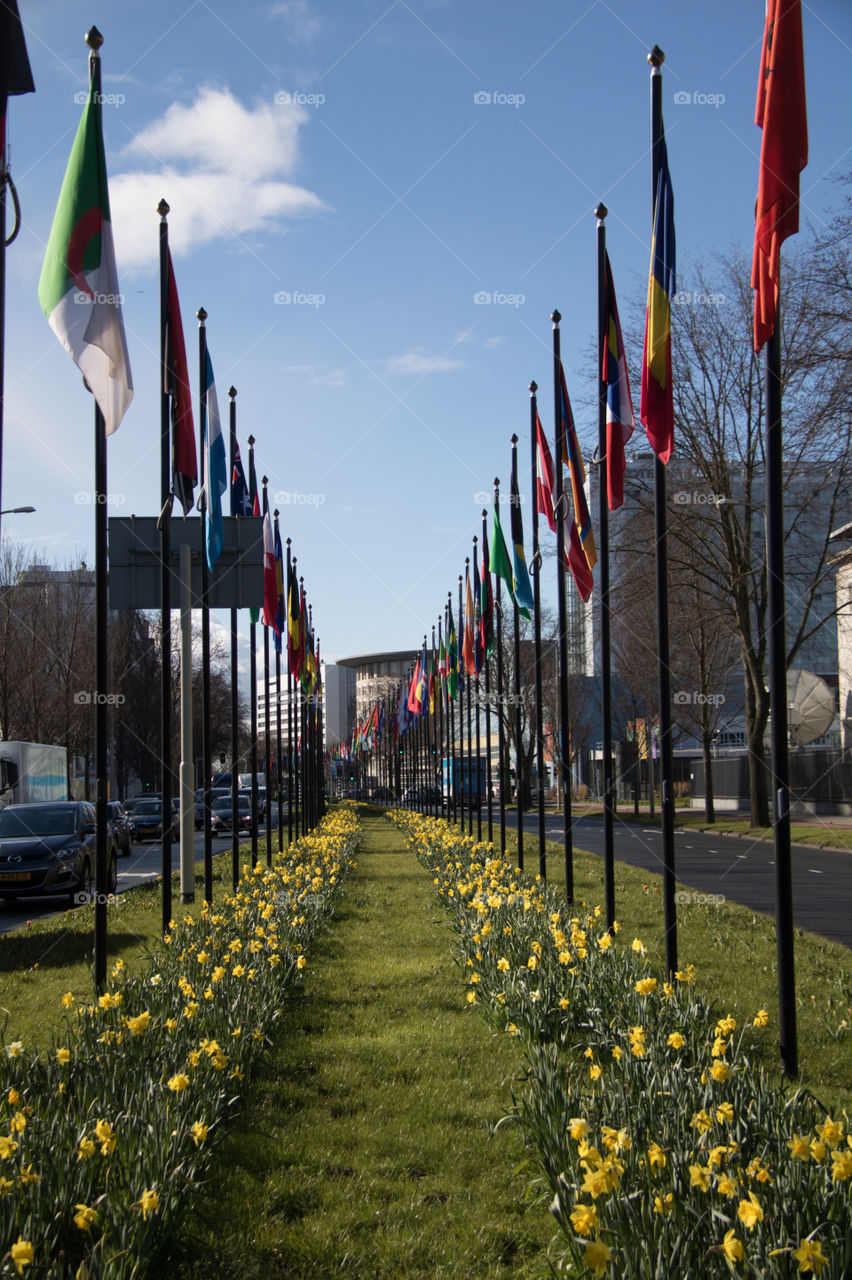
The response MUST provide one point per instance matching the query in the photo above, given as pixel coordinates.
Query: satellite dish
(811, 707)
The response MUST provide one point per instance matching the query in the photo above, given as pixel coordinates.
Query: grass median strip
(364, 1149)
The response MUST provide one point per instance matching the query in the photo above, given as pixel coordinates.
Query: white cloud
(222, 168)
(302, 26)
(413, 362)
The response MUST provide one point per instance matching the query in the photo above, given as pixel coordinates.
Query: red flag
(543, 476)
(579, 565)
(184, 459)
(782, 115)
(467, 642)
(270, 581)
(414, 700)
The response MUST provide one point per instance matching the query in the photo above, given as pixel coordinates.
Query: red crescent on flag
(87, 227)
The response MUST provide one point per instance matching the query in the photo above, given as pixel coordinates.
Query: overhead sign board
(236, 581)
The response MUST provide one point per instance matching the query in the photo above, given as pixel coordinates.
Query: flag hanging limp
(657, 403)
(782, 115)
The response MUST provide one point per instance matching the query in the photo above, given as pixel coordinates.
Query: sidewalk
(365, 1151)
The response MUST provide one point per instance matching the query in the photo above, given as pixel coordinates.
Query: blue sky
(348, 181)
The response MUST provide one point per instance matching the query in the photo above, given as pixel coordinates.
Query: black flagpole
(603, 560)
(655, 58)
(94, 40)
(304, 778)
(278, 652)
(477, 704)
(516, 692)
(462, 684)
(204, 427)
(560, 503)
(442, 688)
(468, 690)
(486, 569)
(296, 722)
(451, 717)
(165, 580)
(290, 771)
(536, 567)
(17, 78)
(502, 772)
(267, 719)
(253, 700)
(235, 835)
(778, 701)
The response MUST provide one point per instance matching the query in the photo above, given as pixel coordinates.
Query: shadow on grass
(19, 951)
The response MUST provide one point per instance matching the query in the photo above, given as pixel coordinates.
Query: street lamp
(17, 511)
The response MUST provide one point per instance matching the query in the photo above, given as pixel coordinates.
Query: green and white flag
(78, 288)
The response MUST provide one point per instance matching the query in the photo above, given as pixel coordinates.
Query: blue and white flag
(215, 471)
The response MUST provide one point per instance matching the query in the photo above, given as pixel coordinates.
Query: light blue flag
(215, 471)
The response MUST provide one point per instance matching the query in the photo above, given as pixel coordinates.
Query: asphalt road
(734, 867)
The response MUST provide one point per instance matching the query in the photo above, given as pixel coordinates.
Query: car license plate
(6, 876)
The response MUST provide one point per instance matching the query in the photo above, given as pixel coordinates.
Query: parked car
(50, 848)
(222, 814)
(120, 824)
(422, 795)
(146, 821)
(261, 801)
(216, 793)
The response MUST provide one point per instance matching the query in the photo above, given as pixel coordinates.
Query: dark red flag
(184, 458)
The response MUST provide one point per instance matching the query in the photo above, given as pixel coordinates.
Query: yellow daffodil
(699, 1176)
(199, 1132)
(86, 1149)
(584, 1219)
(831, 1132)
(720, 1071)
(749, 1211)
(147, 1204)
(841, 1165)
(85, 1218)
(178, 1083)
(675, 1040)
(726, 1186)
(732, 1246)
(761, 1018)
(664, 1204)
(810, 1256)
(800, 1147)
(596, 1256)
(22, 1254)
(105, 1136)
(646, 986)
(137, 1025)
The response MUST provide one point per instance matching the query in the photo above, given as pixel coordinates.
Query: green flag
(452, 656)
(78, 288)
(498, 557)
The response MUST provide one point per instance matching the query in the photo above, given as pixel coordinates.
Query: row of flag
(79, 294)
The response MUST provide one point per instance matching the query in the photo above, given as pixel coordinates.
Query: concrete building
(377, 676)
(339, 700)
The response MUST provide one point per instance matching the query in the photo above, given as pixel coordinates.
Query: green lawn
(365, 1150)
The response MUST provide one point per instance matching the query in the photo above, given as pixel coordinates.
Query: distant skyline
(379, 205)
